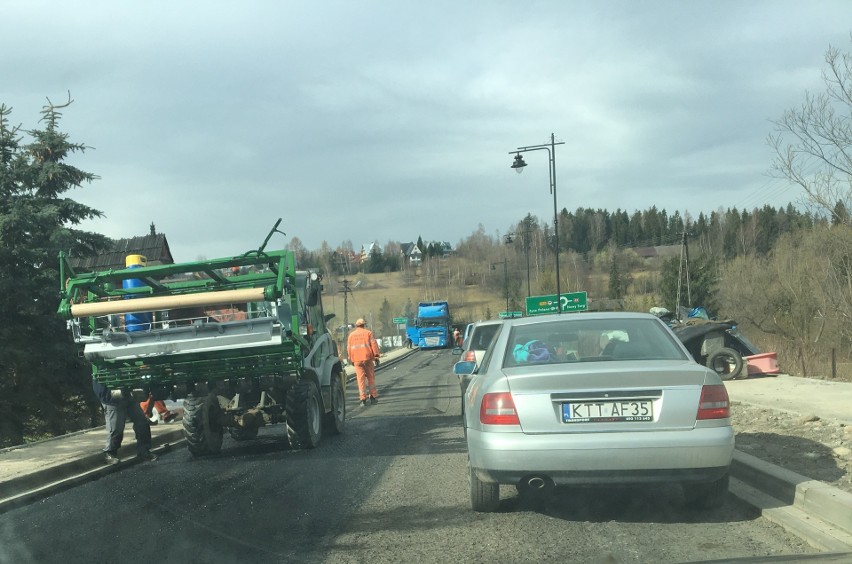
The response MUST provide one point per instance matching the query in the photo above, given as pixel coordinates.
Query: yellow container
(135, 260)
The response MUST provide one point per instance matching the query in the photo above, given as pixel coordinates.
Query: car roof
(553, 317)
(487, 322)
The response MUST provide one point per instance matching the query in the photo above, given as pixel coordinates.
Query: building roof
(153, 247)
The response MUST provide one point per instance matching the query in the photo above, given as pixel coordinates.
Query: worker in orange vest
(150, 405)
(363, 351)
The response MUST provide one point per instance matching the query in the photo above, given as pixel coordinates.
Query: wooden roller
(135, 305)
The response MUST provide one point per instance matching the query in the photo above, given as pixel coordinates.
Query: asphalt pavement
(817, 512)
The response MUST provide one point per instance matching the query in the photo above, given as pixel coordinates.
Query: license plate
(608, 411)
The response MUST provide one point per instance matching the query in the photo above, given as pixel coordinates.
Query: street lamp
(505, 280)
(519, 165)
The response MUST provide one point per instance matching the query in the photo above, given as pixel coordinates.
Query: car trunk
(607, 396)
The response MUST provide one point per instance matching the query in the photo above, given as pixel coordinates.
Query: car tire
(706, 496)
(725, 362)
(484, 497)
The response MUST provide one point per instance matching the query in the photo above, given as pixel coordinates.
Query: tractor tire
(304, 415)
(335, 420)
(725, 362)
(201, 426)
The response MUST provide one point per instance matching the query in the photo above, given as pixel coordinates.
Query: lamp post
(519, 165)
(505, 280)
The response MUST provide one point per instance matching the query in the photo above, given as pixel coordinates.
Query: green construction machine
(242, 340)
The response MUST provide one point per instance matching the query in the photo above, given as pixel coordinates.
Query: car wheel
(484, 497)
(706, 496)
(725, 362)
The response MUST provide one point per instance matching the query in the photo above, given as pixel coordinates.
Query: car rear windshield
(482, 336)
(591, 340)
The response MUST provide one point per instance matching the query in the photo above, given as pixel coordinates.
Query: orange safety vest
(362, 345)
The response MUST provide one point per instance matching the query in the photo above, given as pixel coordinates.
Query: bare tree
(813, 143)
(781, 295)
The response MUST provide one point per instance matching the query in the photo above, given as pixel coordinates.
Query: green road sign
(572, 301)
(510, 314)
(399, 320)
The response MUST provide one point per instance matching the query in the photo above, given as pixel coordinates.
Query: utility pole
(505, 280)
(344, 266)
(684, 264)
(346, 291)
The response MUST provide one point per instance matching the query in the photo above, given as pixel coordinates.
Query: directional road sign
(572, 301)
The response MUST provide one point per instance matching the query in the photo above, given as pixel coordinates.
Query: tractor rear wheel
(336, 418)
(201, 425)
(304, 415)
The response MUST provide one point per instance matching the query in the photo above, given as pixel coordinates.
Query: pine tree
(44, 386)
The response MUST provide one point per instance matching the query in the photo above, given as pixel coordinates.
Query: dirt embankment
(818, 448)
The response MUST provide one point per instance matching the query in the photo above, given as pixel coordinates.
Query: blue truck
(431, 328)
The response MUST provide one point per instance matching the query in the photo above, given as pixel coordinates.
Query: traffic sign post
(570, 302)
(400, 323)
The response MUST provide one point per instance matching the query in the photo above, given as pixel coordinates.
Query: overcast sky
(389, 120)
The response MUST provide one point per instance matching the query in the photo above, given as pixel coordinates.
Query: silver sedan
(594, 399)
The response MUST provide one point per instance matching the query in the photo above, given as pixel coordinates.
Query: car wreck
(720, 345)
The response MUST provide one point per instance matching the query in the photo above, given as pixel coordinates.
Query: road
(392, 488)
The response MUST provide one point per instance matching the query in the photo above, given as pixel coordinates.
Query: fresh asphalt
(816, 512)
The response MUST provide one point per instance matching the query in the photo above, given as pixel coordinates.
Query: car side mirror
(464, 368)
(457, 350)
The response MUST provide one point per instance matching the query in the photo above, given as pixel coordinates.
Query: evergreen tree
(376, 260)
(386, 319)
(617, 290)
(44, 387)
(702, 279)
(840, 215)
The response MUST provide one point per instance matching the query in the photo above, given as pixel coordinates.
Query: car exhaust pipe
(535, 484)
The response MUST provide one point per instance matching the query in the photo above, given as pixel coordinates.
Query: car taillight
(498, 409)
(470, 356)
(714, 403)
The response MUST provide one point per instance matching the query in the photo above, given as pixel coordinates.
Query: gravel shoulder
(807, 444)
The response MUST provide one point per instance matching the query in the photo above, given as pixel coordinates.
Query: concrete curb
(37, 485)
(819, 513)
